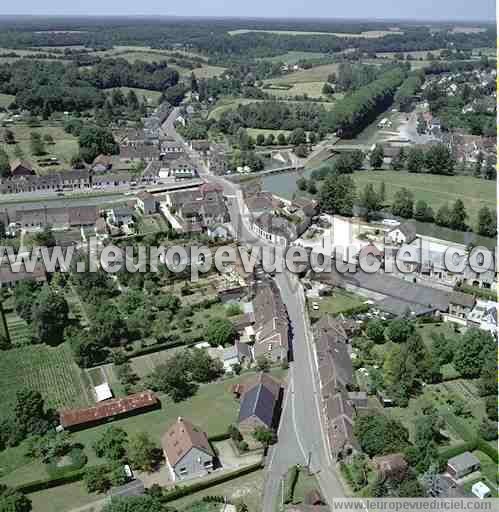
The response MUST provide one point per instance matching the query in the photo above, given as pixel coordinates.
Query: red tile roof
(110, 408)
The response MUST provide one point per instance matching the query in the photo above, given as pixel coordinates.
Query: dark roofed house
(21, 168)
(188, 452)
(461, 304)
(462, 465)
(258, 404)
(83, 215)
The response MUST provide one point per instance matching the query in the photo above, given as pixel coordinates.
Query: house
(201, 145)
(146, 203)
(121, 216)
(21, 168)
(219, 232)
(145, 152)
(461, 305)
(403, 234)
(229, 356)
(33, 219)
(259, 402)
(111, 180)
(271, 327)
(11, 274)
(170, 149)
(102, 163)
(392, 466)
(76, 419)
(484, 316)
(462, 465)
(187, 451)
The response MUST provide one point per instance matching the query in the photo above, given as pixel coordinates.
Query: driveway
(232, 460)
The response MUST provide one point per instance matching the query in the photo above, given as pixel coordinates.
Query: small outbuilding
(480, 490)
(103, 392)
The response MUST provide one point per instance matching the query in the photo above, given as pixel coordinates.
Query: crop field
(18, 329)
(51, 371)
(315, 74)
(435, 190)
(64, 147)
(369, 34)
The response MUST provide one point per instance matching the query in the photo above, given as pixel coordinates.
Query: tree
(173, 378)
(376, 157)
(488, 430)
(270, 140)
(379, 435)
(415, 160)
(108, 326)
(281, 139)
(97, 479)
(458, 216)
(48, 139)
(111, 444)
(260, 139)
(265, 436)
(477, 170)
(344, 164)
(297, 137)
(376, 331)
(399, 330)
(312, 138)
(36, 144)
(472, 351)
(302, 183)
(77, 162)
(488, 379)
(491, 408)
(397, 163)
(337, 195)
(49, 316)
(50, 446)
(142, 452)
(312, 187)
(95, 140)
(443, 217)
(357, 159)
(403, 203)
(442, 348)
(370, 200)
(490, 172)
(194, 83)
(132, 101)
(29, 413)
(487, 222)
(263, 363)
(4, 164)
(9, 137)
(135, 504)
(423, 212)
(439, 160)
(25, 294)
(301, 151)
(220, 331)
(13, 501)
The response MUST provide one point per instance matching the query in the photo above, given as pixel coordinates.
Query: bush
(78, 460)
(489, 450)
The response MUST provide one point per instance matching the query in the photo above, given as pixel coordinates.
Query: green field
(435, 190)
(369, 34)
(64, 147)
(151, 96)
(64, 498)
(311, 89)
(315, 74)
(225, 104)
(6, 100)
(248, 488)
(293, 57)
(335, 304)
(18, 329)
(49, 370)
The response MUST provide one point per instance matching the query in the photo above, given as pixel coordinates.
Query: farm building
(462, 465)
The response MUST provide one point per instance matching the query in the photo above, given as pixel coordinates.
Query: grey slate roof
(464, 461)
(259, 402)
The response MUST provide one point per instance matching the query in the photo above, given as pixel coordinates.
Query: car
(315, 306)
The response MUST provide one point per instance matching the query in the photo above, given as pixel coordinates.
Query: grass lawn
(315, 74)
(63, 498)
(435, 190)
(151, 96)
(49, 370)
(248, 488)
(293, 57)
(335, 304)
(6, 100)
(488, 468)
(225, 104)
(304, 485)
(369, 34)
(427, 330)
(311, 89)
(64, 147)
(205, 71)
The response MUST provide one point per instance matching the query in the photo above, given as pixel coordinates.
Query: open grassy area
(64, 147)
(315, 74)
(206, 71)
(338, 302)
(248, 488)
(369, 34)
(225, 104)
(6, 100)
(151, 96)
(49, 370)
(435, 190)
(305, 484)
(488, 469)
(64, 498)
(311, 89)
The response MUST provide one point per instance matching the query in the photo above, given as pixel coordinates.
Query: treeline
(47, 87)
(273, 115)
(405, 95)
(356, 111)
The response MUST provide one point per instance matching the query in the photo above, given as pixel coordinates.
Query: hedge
(488, 449)
(181, 492)
(291, 479)
(458, 449)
